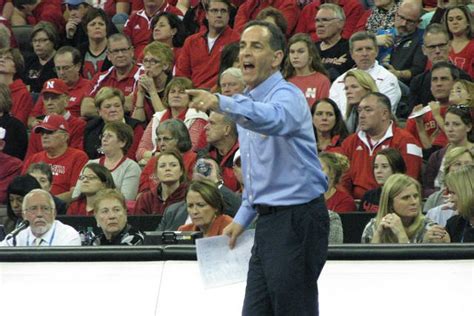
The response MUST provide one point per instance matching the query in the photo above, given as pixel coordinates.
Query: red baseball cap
(56, 86)
(52, 123)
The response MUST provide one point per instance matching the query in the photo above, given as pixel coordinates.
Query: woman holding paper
(205, 207)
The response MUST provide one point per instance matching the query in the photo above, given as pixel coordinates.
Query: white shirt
(58, 235)
(386, 82)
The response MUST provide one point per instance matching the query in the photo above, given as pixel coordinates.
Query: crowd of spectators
(95, 119)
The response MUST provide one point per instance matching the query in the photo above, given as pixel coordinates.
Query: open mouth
(248, 66)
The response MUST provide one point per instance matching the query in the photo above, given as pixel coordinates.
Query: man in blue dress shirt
(283, 179)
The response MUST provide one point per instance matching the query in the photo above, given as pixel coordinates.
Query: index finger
(193, 92)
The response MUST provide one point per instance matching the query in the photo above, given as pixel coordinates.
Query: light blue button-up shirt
(280, 164)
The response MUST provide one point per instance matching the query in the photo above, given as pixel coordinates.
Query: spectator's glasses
(119, 50)
(408, 21)
(217, 11)
(324, 20)
(88, 178)
(151, 61)
(40, 40)
(436, 46)
(64, 68)
(43, 208)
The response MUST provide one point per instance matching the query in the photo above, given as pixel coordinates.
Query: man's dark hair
(76, 54)
(445, 64)
(227, 2)
(382, 100)
(277, 39)
(278, 17)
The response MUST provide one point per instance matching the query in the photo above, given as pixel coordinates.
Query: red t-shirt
(78, 208)
(66, 168)
(314, 86)
(341, 202)
(430, 127)
(464, 59)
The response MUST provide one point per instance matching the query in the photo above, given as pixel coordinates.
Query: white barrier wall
(401, 288)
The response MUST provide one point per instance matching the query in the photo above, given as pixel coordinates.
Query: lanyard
(50, 240)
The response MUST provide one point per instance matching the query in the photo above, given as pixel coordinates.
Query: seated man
(222, 137)
(429, 128)
(54, 97)
(44, 230)
(364, 50)
(67, 62)
(377, 132)
(66, 162)
(123, 75)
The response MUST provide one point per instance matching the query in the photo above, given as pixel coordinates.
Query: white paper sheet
(220, 265)
(421, 112)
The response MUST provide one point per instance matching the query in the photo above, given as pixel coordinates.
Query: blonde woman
(357, 85)
(399, 219)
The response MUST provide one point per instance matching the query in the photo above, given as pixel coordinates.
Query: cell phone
(203, 168)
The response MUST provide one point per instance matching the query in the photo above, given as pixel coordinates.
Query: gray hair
(234, 72)
(334, 8)
(34, 191)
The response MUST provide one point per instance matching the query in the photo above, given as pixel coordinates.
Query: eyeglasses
(164, 139)
(43, 208)
(151, 61)
(324, 20)
(119, 50)
(89, 178)
(64, 68)
(40, 40)
(439, 46)
(216, 11)
(408, 21)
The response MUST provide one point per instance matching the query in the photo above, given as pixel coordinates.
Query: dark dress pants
(288, 255)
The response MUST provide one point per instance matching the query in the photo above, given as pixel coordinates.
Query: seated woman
(357, 84)
(42, 172)
(94, 177)
(334, 165)
(16, 191)
(459, 131)
(172, 186)
(39, 67)
(111, 215)
(176, 102)
(116, 139)
(110, 105)
(168, 29)
(399, 219)
(329, 126)
(439, 206)
(158, 68)
(205, 207)
(171, 135)
(460, 184)
(388, 161)
(304, 68)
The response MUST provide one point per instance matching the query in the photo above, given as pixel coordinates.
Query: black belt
(264, 209)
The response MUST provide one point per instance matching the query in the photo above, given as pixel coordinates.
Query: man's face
(217, 15)
(364, 53)
(39, 212)
(436, 47)
(65, 68)
(216, 128)
(406, 20)
(120, 53)
(53, 140)
(77, 12)
(441, 84)
(257, 59)
(54, 103)
(327, 24)
(370, 114)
